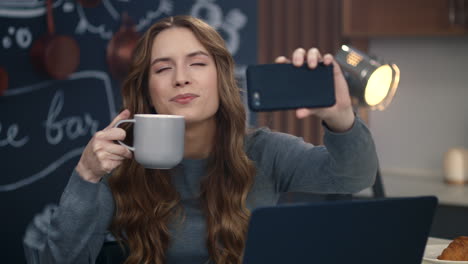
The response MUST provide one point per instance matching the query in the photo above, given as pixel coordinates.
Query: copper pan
(120, 48)
(89, 3)
(56, 55)
(3, 81)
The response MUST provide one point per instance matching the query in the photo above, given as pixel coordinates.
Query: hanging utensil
(56, 55)
(3, 81)
(120, 48)
(89, 3)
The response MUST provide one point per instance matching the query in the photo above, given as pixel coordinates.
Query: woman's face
(182, 77)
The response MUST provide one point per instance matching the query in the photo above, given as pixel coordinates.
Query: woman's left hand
(340, 116)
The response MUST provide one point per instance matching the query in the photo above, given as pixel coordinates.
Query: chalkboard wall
(45, 123)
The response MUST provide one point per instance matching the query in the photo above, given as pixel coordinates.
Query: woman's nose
(181, 83)
(181, 79)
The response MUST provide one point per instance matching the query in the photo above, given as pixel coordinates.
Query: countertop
(398, 185)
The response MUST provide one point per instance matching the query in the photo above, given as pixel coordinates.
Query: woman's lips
(184, 98)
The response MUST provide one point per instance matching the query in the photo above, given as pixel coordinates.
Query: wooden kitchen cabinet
(368, 18)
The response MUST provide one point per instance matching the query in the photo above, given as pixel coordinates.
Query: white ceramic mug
(158, 140)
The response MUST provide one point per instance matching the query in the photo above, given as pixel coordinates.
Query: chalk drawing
(10, 139)
(231, 24)
(111, 9)
(165, 7)
(23, 37)
(42, 173)
(47, 170)
(6, 42)
(68, 7)
(84, 26)
(103, 76)
(22, 9)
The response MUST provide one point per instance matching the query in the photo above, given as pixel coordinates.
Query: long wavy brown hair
(146, 200)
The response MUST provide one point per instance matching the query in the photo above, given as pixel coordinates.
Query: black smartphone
(272, 87)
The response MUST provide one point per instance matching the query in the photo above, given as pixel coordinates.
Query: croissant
(456, 250)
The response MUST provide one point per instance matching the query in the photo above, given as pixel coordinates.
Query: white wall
(429, 113)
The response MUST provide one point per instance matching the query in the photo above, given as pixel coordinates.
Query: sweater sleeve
(73, 231)
(346, 164)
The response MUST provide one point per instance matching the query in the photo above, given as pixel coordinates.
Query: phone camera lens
(256, 97)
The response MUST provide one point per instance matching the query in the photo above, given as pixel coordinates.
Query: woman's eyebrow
(190, 55)
(159, 60)
(196, 53)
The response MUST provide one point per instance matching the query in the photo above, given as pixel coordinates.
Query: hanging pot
(89, 3)
(120, 48)
(3, 81)
(56, 55)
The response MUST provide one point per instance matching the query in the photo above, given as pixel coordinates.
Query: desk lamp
(372, 84)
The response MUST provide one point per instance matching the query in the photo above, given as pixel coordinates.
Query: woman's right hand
(102, 155)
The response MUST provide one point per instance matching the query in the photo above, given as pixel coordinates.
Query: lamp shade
(371, 82)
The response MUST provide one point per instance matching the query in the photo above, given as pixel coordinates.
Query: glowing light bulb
(378, 85)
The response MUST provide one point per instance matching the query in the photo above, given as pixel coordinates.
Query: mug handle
(120, 142)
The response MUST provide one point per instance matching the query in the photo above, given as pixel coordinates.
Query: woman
(198, 211)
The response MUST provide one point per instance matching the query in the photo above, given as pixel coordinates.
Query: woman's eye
(162, 69)
(198, 64)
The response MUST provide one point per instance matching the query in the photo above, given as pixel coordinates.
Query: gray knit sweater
(74, 231)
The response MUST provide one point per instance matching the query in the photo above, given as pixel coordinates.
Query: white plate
(433, 251)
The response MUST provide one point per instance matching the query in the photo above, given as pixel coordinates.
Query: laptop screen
(380, 231)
